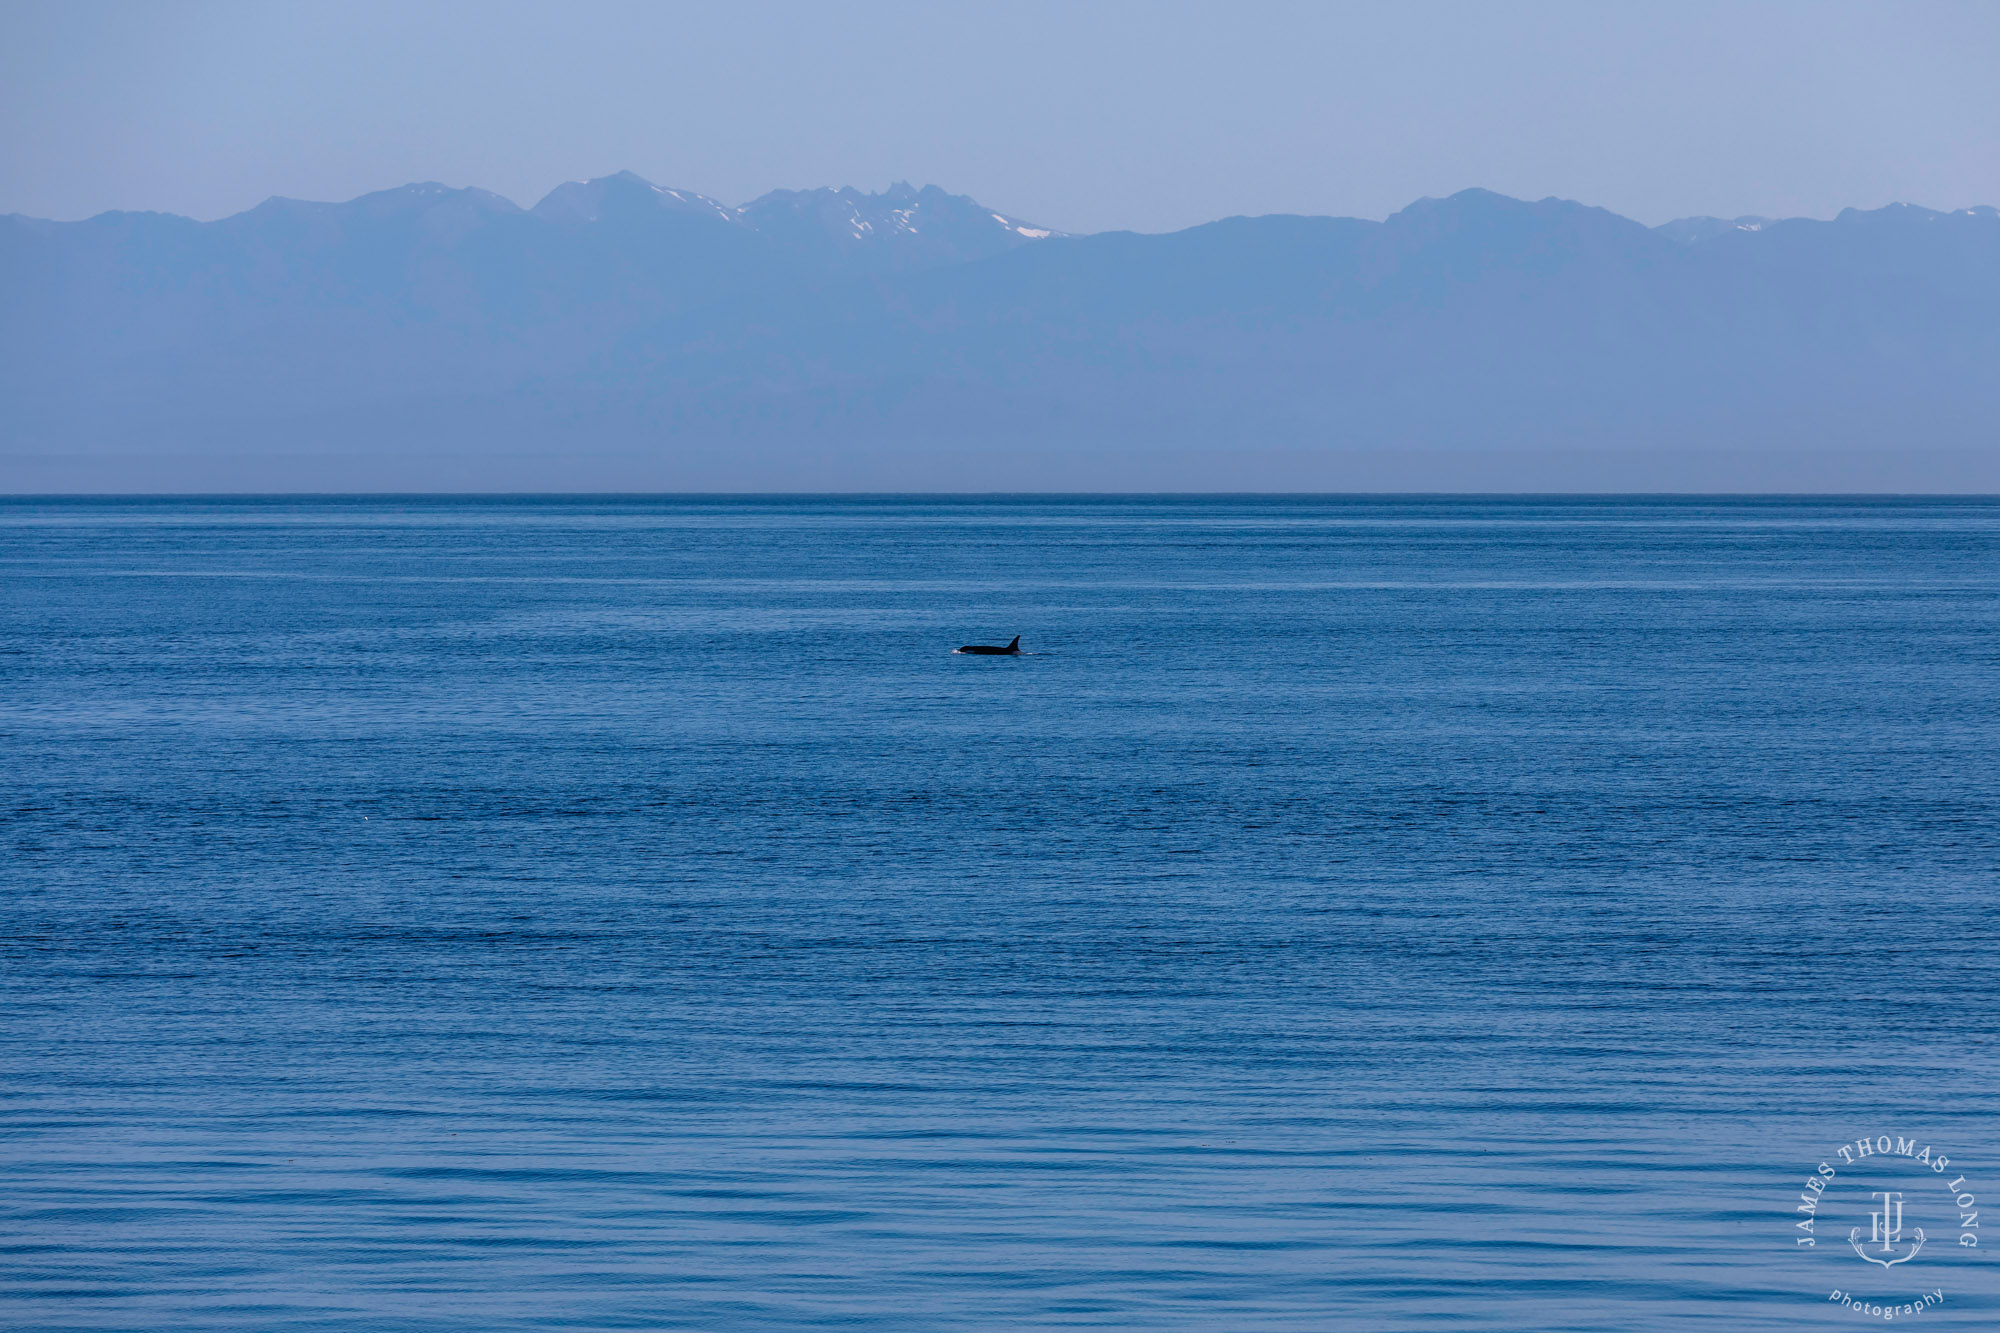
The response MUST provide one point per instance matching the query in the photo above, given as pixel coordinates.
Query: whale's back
(1013, 649)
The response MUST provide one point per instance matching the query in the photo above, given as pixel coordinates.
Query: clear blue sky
(1080, 116)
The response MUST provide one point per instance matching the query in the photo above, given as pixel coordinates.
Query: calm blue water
(1357, 914)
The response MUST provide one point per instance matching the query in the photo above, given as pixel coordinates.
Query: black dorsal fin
(1016, 643)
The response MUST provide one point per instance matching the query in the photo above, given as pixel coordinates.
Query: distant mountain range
(842, 231)
(621, 335)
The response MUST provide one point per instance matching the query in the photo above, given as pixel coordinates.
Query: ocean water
(630, 914)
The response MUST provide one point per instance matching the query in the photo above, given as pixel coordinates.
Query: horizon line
(8, 497)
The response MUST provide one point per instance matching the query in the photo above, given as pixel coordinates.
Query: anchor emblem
(1886, 1229)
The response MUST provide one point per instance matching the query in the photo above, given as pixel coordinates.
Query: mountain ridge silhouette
(923, 339)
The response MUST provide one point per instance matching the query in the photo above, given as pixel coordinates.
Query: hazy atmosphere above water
(1150, 117)
(1115, 248)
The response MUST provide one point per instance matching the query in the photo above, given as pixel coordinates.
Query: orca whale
(988, 650)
